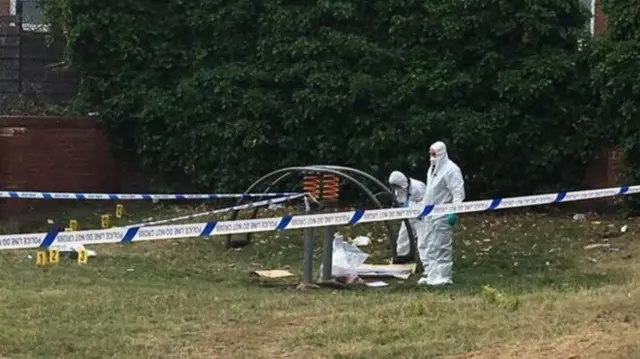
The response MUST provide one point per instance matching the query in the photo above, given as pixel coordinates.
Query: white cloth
(444, 185)
(398, 179)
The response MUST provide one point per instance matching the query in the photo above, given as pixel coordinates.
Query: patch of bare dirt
(228, 341)
(591, 344)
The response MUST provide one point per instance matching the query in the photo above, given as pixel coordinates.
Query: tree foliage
(223, 91)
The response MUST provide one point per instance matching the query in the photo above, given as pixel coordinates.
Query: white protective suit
(417, 189)
(444, 185)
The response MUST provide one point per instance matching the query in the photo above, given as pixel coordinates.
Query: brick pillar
(600, 19)
(5, 7)
(602, 172)
(615, 166)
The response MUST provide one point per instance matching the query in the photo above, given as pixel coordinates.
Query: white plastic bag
(361, 241)
(346, 258)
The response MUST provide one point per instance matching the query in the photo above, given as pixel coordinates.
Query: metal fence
(31, 68)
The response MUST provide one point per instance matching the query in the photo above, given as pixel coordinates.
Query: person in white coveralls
(444, 185)
(408, 192)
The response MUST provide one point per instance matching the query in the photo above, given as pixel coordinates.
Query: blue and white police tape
(133, 196)
(267, 202)
(213, 228)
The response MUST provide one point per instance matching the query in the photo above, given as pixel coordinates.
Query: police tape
(213, 228)
(133, 196)
(220, 210)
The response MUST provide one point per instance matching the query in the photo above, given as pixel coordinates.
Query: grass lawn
(194, 299)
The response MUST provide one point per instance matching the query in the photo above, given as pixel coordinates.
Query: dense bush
(224, 91)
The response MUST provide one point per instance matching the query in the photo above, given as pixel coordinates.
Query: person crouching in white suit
(444, 185)
(408, 192)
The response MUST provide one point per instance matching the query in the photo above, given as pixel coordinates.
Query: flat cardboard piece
(274, 273)
(400, 271)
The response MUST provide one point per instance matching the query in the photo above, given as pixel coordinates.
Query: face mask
(433, 156)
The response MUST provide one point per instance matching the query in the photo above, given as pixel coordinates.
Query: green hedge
(225, 91)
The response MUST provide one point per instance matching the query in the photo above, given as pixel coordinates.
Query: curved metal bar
(229, 242)
(388, 195)
(361, 173)
(302, 169)
(263, 179)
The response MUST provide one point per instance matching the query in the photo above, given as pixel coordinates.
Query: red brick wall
(53, 154)
(5, 7)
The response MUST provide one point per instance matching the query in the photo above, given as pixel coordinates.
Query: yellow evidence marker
(54, 256)
(73, 225)
(119, 211)
(105, 221)
(83, 256)
(42, 259)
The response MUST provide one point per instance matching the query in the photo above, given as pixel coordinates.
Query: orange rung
(330, 187)
(330, 196)
(311, 185)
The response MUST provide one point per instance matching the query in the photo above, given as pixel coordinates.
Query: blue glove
(452, 219)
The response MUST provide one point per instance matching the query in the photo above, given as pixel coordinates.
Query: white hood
(398, 178)
(441, 158)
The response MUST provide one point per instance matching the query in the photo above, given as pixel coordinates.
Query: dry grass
(194, 299)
